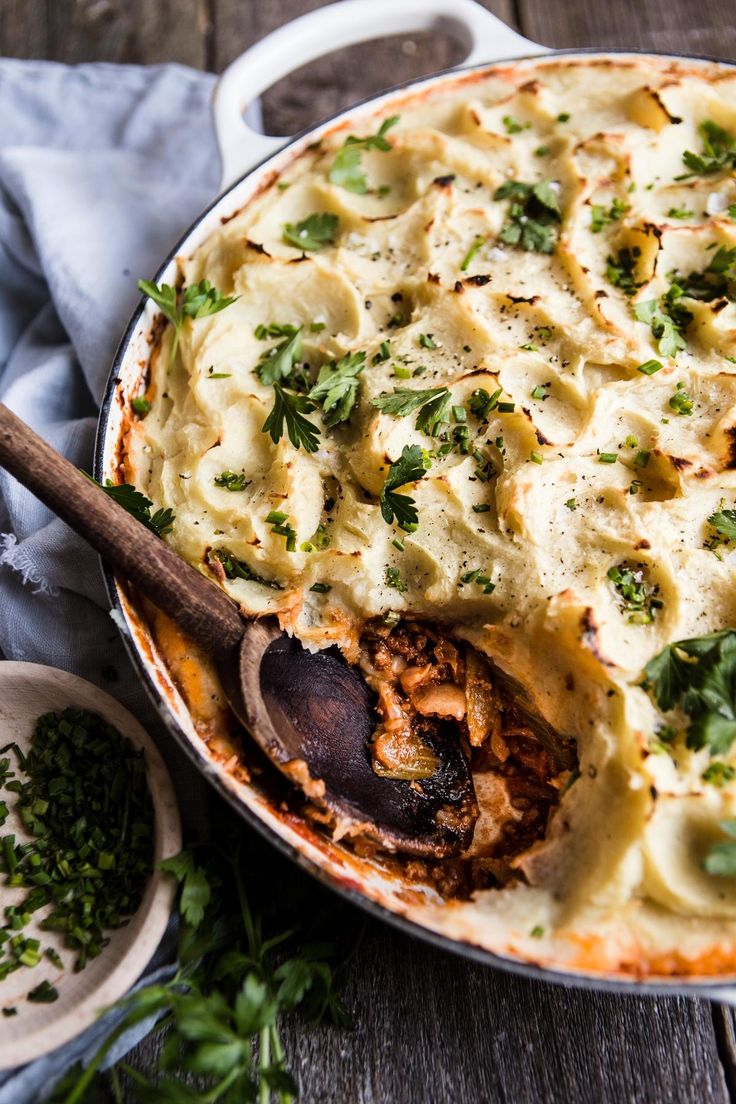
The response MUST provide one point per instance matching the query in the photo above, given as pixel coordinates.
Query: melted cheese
(624, 853)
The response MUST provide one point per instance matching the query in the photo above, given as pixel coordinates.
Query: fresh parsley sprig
(197, 301)
(312, 233)
(699, 677)
(336, 389)
(288, 412)
(278, 362)
(724, 523)
(136, 503)
(404, 400)
(346, 170)
(412, 465)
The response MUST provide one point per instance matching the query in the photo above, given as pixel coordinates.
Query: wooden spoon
(312, 714)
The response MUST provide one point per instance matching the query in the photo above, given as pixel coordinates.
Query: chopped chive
(478, 243)
(649, 367)
(607, 457)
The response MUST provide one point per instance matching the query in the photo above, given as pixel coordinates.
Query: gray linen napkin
(102, 167)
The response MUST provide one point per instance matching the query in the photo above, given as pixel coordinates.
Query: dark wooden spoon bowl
(311, 713)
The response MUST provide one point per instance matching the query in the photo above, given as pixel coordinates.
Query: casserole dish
(464, 922)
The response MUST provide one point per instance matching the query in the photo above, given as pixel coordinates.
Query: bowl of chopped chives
(87, 814)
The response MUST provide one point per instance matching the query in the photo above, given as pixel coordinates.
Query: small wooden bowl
(26, 691)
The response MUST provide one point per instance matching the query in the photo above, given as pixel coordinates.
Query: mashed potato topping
(521, 293)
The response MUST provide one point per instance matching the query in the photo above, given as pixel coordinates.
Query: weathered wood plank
(142, 31)
(24, 31)
(707, 27)
(433, 1028)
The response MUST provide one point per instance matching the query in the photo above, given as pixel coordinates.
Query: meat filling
(423, 680)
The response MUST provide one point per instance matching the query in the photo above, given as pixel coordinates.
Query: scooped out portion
(427, 683)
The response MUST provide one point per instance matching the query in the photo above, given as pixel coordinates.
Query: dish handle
(484, 36)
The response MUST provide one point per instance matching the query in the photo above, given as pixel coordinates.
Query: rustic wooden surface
(431, 1027)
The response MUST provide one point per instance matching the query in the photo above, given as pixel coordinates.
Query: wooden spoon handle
(198, 606)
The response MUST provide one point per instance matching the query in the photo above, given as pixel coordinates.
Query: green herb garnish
(512, 127)
(620, 269)
(667, 319)
(140, 405)
(718, 773)
(681, 402)
(533, 216)
(282, 527)
(346, 170)
(432, 404)
(87, 809)
(680, 213)
(394, 580)
(238, 569)
(601, 216)
(278, 362)
(649, 367)
(724, 523)
(699, 677)
(412, 465)
(635, 595)
(336, 389)
(198, 301)
(478, 242)
(719, 151)
(716, 281)
(312, 233)
(288, 411)
(136, 503)
(232, 481)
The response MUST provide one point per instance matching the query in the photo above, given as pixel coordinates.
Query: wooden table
(431, 1027)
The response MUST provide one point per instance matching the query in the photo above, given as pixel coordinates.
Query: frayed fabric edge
(13, 555)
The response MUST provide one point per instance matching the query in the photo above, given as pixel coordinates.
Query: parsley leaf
(434, 413)
(195, 891)
(532, 216)
(699, 676)
(405, 400)
(719, 151)
(312, 233)
(412, 465)
(136, 503)
(278, 361)
(667, 319)
(346, 170)
(724, 523)
(337, 387)
(197, 301)
(289, 409)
